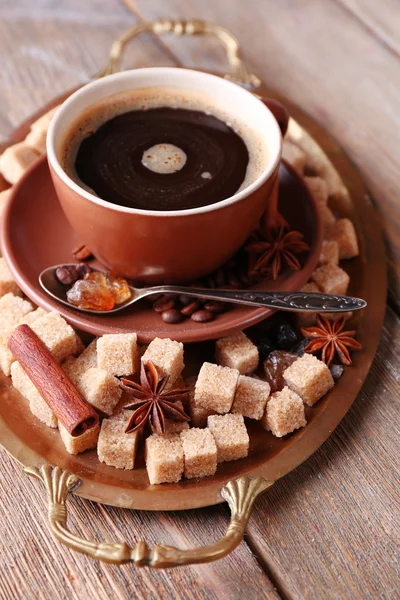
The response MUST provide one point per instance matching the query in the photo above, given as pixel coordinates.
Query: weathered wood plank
(322, 58)
(381, 19)
(50, 47)
(330, 528)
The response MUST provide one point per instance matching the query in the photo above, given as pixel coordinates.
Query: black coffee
(163, 159)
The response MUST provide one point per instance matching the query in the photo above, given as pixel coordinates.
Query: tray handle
(239, 493)
(239, 72)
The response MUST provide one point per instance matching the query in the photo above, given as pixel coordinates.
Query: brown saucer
(36, 235)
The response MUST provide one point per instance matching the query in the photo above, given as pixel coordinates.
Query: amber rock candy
(119, 288)
(91, 293)
(274, 367)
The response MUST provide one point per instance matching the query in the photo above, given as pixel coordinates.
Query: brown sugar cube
(4, 196)
(337, 192)
(284, 413)
(339, 199)
(33, 316)
(318, 188)
(37, 405)
(36, 139)
(43, 122)
(7, 281)
(295, 156)
(200, 453)
(6, 356)
(12, 310)
(230, 435)
(167, 357)
(100, 389)
(69, 366)
(215, 387)
(75, 368)
(251, 397)
(329, 253)
(176, 426)
(237, 352)
(115, 447)
(80, 346)
(198, 414)
(56, 334)
(117, 353)
(6, 359)
(15, 160)
(79, 443)
(305, 318)
(328, 221)
(331, 279)
(309, 377)
(164, 458)
(345, 236)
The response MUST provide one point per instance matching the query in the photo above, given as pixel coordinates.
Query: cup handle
(239, 493)
(279, 111)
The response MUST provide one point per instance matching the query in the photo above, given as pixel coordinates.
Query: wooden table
(329, 529)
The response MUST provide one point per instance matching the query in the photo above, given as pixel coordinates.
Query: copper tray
(238, 482)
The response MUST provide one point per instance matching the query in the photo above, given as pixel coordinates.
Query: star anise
(331, 339)
(275, 246)
(152, 402)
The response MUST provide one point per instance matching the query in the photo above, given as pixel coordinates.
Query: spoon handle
(291, 301)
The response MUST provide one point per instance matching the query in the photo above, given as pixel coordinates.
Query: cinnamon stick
(58, 391)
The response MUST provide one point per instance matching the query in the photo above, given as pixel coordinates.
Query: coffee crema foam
(142, 99)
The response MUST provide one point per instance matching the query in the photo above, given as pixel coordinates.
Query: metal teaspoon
(290, 301)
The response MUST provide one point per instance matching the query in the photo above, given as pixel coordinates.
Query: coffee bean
(171, 316)
(67, 275)
(215, 306)
(185, 300)
(191, 308)
(82, 269)
(163, 304)
(202, 316)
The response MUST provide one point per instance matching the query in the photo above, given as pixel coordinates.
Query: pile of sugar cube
(221, 396)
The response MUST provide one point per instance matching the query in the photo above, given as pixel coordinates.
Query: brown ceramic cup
(168, 246)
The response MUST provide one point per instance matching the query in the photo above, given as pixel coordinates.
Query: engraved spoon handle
(291, 301)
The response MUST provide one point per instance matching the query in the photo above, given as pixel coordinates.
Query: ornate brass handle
(239, 73)
(239, 493)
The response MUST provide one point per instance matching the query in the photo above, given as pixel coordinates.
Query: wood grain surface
(329, 529)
